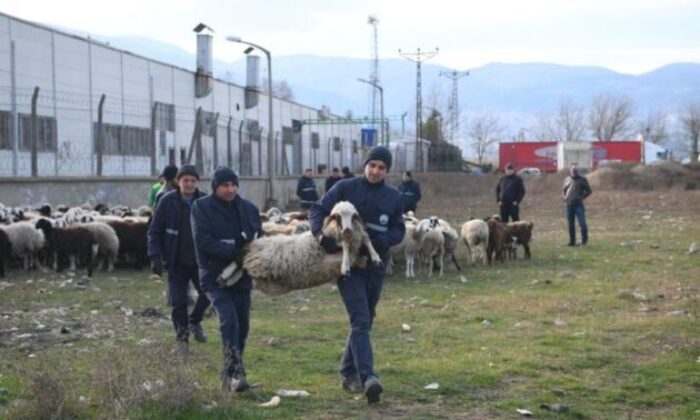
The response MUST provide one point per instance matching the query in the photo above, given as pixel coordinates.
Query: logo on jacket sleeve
(383, 219)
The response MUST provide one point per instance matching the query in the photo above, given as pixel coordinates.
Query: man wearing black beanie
(222, 224)
(379, 206)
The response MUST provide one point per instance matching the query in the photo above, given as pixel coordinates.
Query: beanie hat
(510, 165)
(188, 170)
(221, 175)
(379, 153)
(169, 172)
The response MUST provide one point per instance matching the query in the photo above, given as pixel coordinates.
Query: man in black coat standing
(509, 193)
(306, 190)
(410, 192)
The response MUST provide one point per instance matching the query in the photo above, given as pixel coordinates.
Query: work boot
(373, 389)
(352, 384)
(198, 333)
(239, 382)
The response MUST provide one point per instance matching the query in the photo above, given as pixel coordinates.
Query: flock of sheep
(89, 237)
(69, 237)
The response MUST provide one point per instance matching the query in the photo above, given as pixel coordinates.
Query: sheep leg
(441, 258)
(373, 255)
(527, 251)
(454, 260)
(345, 264)
(389, 265)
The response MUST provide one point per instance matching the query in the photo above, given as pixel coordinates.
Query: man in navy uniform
(222, 223)
(331, 180)
(170, 241)
(410, 192)
(306, 190)
(379, 206)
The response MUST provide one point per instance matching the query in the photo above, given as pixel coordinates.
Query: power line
(454, 75)
(418, 57)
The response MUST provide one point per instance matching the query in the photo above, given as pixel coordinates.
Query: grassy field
(609, 330)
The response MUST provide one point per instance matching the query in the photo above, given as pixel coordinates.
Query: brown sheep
(498, 238)
(522, 234)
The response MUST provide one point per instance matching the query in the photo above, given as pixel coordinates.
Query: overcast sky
(630, 36)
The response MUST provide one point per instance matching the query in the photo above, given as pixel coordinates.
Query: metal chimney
(203, 77)
(252, 89)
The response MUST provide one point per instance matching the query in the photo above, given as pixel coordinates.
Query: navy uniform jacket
(410, 193)
(306, 190)
(379, 206)
(164, 229)
(510, 188)
(220, 230)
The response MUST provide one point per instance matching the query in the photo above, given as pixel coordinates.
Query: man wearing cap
(410, 192)
(379, 206)
(346, 173)
(331, 180)
(306, 189)
(169, 177)
(222, 224)
(509, 193)
(170, 241)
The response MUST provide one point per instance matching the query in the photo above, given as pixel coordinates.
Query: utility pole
(419, 57)
(374, 69)
(454, 75)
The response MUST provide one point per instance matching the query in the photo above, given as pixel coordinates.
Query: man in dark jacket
(170, 241)
(331, 180)
(222, 224)
(509, 193)
(306, 190)
(346, 173)
(379, 206)
(576, 189)
(410, 192)
(169, 177)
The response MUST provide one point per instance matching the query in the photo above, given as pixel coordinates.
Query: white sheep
(281, 263)
(26, 242)
(107, 241)
(451, 241)
(431, 242)
(475, 235)
(408, 248)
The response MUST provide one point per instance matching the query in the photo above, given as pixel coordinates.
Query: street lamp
(381, 104)
(271, 149)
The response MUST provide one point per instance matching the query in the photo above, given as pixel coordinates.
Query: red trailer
(629, 151)
(532, 154)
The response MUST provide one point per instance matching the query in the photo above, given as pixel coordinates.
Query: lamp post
(381, 105)
(271, 149)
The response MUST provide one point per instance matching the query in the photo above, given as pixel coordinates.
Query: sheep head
(343, 216)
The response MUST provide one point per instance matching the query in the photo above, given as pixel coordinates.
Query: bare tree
(690, 119)
(483, 131)
(280, 89)
(655, 127)
(609, 116)
(569, 124)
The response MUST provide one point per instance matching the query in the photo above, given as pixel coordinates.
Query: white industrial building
(149, 114)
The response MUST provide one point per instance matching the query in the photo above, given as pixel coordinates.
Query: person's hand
(157, 267)
(329, 245)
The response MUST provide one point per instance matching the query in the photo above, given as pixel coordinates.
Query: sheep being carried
(280, 264)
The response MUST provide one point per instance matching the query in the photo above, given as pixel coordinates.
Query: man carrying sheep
(379, 205)
(509, 193)
(170, 240)
(222, 224)
(576, 189)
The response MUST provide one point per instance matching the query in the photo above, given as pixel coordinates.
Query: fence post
(195, 134)
(100, 134)
(229, 157)
(33, 133)
(216, 140)
(154, 141)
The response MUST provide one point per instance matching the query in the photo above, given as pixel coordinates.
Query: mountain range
(517, 93)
